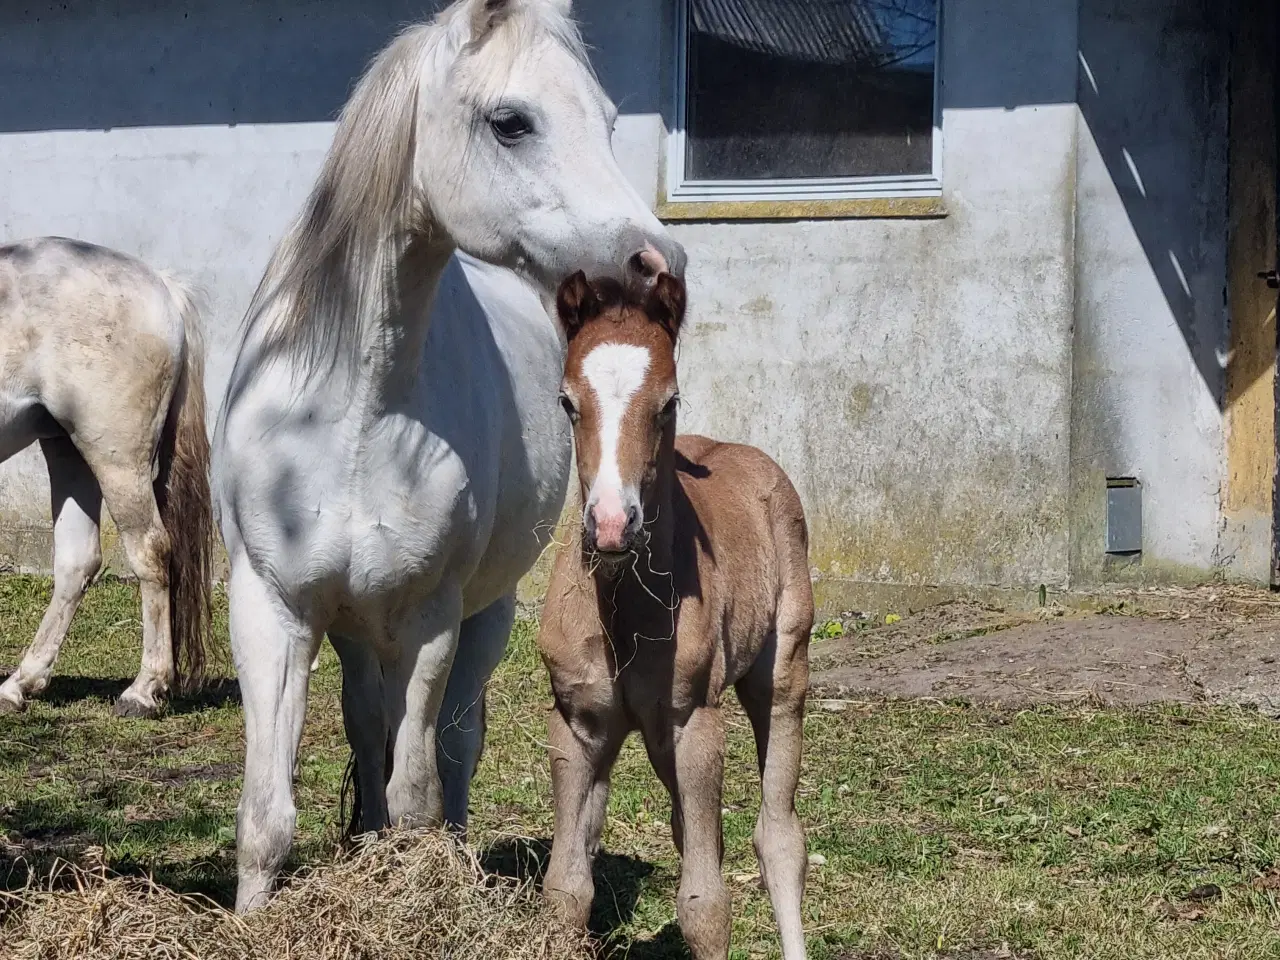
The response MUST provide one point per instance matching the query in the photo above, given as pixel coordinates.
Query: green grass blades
(935, 830)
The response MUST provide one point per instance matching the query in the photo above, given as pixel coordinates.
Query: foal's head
(620, 393)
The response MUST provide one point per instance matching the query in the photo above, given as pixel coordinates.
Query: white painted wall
(915, 377)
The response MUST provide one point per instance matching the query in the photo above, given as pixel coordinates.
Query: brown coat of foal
(688, 574)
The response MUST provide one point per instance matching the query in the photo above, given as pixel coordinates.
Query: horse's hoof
(127, 706)
(12, 706)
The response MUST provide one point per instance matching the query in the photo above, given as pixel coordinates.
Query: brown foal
(689, 574)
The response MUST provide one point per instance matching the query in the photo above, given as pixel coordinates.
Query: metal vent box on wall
(1124, 515)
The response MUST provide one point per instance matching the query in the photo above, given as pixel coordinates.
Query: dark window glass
(809, 88)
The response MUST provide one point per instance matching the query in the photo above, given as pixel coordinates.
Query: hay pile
(409, 895)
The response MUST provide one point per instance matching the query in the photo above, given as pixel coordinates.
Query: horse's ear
(666, 303)
(487, 14)
(576, 303)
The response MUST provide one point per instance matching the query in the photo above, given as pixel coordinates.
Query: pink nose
(610, 527)
(649, 262)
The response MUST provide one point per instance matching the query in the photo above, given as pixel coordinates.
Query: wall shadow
(100, 64)
(1154, 96)
(103, 64)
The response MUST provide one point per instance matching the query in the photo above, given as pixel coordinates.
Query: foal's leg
(481, 644)
(690, 762)
(773, 695)
(272, 649)
(415, 684)
(77, 557)
(365, 721)
(583, 745)
(702, 903)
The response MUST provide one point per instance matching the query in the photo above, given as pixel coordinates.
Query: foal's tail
(186, 506)
(791, 541)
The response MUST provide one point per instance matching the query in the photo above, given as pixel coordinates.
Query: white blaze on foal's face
(614, 374)
(619, 391)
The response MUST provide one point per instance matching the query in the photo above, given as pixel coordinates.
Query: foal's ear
(576, 303)
(666, 303)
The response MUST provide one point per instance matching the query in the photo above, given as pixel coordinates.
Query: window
(804, 100)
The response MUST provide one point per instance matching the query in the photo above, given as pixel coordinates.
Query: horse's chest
(412, 505)
(366, 513)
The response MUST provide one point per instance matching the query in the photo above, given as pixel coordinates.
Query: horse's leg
(415, 682)
(77, 557)
(773, 694)
(125, 479)
(365, 721)
(702, 902)
(481, 643)
(272, 649)
(582, 751)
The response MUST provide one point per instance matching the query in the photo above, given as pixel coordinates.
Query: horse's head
(620, 393)
(514, 153)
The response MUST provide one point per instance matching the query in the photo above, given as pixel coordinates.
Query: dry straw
(408, 895)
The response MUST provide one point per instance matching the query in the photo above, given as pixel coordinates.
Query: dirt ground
(1216, 645)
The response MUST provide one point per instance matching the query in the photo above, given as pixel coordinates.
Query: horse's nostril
(633, 516)
(648, 262)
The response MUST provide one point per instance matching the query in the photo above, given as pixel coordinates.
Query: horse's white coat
(390, 458)
(97, 351)
(615, 371)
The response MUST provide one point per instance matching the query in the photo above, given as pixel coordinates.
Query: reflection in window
(782, 89)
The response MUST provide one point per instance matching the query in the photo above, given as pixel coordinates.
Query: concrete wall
(914, 376)
(1151, 318)
(918, 397)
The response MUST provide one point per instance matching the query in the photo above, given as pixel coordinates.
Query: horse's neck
(392, 343)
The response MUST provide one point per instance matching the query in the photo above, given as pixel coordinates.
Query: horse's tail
(186, 505)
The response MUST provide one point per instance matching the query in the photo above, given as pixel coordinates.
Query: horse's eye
(570, 410)
(509, 126)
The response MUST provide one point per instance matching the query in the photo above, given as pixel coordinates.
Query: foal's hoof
(12, 706)
(128, 706)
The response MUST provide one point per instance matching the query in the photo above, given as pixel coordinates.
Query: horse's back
(79, 320)
(722, 477)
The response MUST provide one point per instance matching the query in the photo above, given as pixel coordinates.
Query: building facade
(982, 275)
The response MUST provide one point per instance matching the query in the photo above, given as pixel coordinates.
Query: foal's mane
(335, 269)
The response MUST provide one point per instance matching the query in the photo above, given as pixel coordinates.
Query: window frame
(677, 189)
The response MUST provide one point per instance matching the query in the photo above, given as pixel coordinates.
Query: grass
(936, 829)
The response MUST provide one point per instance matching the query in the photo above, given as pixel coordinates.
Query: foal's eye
(509, 126)
(669, 410)
(570, 410)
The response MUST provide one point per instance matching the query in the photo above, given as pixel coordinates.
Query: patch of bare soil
(1172, 646)
(865, 639)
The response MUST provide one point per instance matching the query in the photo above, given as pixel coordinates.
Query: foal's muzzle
(611, 529)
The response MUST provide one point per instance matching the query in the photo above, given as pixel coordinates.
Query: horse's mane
(334, 270)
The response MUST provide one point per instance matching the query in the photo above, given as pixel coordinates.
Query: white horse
(101, 361)
(390, 457)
